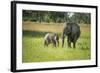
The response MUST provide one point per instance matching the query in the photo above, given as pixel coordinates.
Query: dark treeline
(56, 17)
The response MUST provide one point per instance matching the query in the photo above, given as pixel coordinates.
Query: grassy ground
(34, 51)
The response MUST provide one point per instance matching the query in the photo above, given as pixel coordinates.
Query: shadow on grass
(28, 33)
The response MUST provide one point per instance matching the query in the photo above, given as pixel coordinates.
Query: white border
(21, 65)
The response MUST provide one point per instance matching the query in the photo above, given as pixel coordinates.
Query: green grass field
(33, 44)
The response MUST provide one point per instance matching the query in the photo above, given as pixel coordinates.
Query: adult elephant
(72, 31)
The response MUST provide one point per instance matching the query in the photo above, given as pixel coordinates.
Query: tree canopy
(56, 17)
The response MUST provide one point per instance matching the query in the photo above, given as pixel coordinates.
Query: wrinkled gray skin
(72, 31)
(51, 38)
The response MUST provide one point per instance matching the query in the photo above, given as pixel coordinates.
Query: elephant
(72, 31)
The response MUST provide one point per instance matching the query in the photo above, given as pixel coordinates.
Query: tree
(56, 17)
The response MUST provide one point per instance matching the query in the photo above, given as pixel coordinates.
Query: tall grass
(33, 44)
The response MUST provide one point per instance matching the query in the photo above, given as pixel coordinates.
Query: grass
(33, 45)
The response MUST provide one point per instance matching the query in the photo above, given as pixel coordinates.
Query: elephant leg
(54, 43)
(58, 42)
(74, 43)
(69, 42)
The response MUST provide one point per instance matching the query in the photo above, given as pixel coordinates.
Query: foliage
(56, 17)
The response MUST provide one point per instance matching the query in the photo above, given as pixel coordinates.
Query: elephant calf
(51, 38)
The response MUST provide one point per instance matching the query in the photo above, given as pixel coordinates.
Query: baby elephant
(51, 38)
